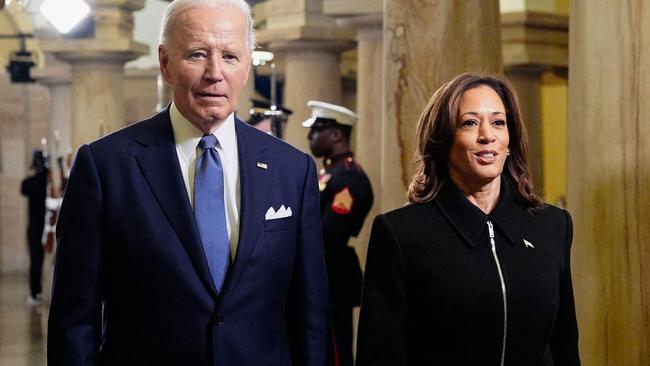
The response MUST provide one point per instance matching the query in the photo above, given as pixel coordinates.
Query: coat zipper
(503, 291)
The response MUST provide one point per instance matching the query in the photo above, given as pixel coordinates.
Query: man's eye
(229, 57)
(197, 55)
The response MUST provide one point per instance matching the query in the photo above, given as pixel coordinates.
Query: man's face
(206, 62)
(320, 141)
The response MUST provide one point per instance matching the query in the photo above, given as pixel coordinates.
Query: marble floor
(23, 328)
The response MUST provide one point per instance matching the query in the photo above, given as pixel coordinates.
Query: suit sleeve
(308, 303)
(564, 339)
(75, 320)
(383, 320)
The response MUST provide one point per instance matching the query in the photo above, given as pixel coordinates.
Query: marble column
(609, 179)
(527, 82)
(369, 98)
(59, 83)
(311, 71)
(98, 69)
(533, 43)
(310, 44)
(141, 92)
(426, 43)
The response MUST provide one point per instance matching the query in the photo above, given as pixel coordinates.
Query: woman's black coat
(432, 291)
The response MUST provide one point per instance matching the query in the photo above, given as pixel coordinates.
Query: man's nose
(213, 68)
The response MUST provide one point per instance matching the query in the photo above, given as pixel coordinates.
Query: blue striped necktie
(209, 209)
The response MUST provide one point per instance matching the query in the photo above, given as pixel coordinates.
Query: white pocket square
(281, 213)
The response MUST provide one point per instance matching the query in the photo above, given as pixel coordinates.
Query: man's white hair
(178, 6)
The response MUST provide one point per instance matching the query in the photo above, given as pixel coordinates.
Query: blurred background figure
(267, 117)
(346, 197)
(34, 187)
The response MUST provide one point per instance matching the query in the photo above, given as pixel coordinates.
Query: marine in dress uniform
(346, 197)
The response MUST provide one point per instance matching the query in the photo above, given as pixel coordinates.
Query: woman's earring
(508, 153)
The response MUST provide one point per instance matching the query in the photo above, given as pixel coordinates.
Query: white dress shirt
(187, 137)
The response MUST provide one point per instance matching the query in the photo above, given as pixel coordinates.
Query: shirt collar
(187, 135)
(470, 221)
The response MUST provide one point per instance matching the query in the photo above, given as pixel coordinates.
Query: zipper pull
(490, 229)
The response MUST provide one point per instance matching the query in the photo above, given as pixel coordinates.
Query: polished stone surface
(23, 328)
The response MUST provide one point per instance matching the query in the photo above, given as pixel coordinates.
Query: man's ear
(163, 61)
(336, 135)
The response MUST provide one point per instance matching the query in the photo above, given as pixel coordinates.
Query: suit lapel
(158, 161)
(253, 180)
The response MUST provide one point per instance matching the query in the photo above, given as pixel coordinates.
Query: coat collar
(470, 221)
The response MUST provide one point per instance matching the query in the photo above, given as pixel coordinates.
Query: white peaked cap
(338, 113)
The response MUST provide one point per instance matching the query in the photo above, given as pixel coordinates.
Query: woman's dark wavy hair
(435, 135)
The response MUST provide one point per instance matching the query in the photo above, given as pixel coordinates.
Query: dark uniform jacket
(34, 188)
(433, 295)
(346, 197)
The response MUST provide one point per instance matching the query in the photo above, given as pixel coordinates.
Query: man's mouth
(210, 95)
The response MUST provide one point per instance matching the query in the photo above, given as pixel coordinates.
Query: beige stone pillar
(609, 179)
(311, 72)
(98, 69)
(59, 83)
(426, 44)
(527, 82)
(533, 43)
(141, 93)
(369, 99)
(310, 43)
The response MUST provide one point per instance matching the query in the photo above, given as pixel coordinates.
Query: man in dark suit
(191, 238)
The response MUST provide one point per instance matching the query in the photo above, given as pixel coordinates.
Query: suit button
(218, 320)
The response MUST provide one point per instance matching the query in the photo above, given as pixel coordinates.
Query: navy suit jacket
(131, 282)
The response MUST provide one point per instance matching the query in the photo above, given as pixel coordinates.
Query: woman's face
(481, 139)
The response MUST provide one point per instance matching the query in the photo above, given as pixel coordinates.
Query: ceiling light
(261, 57)
(65, 17)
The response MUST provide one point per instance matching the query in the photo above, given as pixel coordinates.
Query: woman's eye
(499, 122)
(469, 123)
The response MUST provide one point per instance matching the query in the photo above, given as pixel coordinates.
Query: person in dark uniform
(34, 187)
(346, 198)
(268, 118)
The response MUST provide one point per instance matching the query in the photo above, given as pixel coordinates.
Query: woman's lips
(486, 156)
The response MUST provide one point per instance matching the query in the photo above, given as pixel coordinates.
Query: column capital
(537, 39)
(368, 26)
(328, 46)
(53, 76)
(94, 50)
(114, 18)
(300, 33)
(131, 5)
(348, 8)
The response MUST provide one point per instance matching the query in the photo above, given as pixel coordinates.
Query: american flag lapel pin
(262, 165)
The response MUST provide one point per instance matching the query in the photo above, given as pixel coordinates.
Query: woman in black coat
(476, 269)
